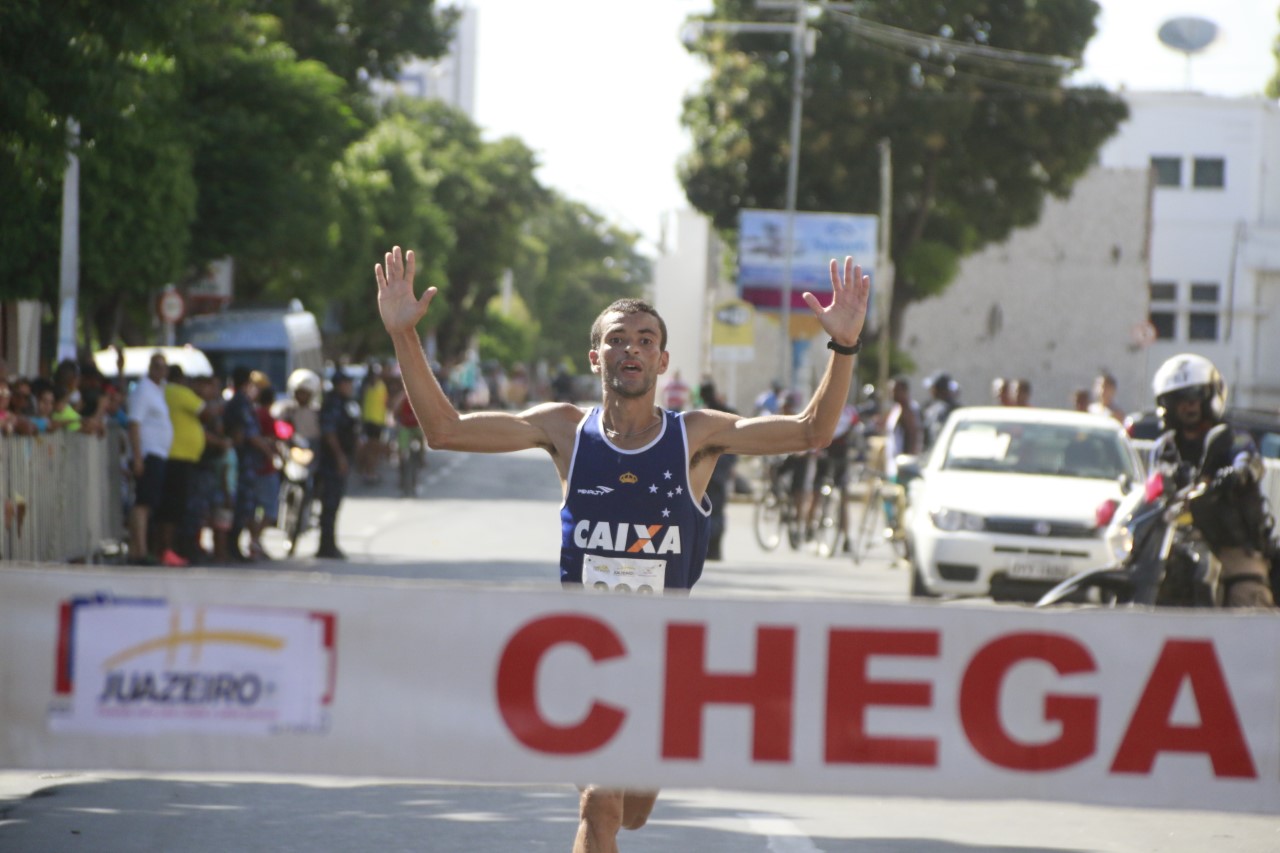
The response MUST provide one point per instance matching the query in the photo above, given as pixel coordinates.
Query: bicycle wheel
(827, 531)
(768, 521)
(870, 528)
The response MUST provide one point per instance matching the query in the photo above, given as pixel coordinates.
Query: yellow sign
(733, 324)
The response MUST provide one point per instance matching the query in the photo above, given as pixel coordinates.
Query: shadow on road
(184, 815)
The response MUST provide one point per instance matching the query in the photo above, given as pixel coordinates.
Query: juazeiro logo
(629, 538)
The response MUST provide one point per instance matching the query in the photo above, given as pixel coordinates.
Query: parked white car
(1007, 501)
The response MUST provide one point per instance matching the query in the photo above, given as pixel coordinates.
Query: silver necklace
(613, 433)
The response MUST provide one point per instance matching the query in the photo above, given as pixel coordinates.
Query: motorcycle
(1161, 559)
(296, 512)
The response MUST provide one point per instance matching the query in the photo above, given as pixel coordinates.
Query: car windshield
(1018, 447)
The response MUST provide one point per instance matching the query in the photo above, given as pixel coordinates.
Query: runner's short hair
(626, 307)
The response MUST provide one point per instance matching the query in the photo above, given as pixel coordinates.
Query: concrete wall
(1053, 304)
(1220, 235)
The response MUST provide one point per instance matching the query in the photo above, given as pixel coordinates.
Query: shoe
(171, 559)
(330, 554)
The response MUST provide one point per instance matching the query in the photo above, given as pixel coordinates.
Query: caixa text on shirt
(209, 689)
(626, 537)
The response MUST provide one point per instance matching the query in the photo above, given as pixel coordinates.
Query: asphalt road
(494, 520)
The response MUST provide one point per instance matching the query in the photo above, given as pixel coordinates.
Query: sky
(595, 87)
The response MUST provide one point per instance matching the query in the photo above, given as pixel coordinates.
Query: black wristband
(844, 350)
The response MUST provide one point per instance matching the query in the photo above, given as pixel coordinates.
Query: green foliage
(358, 37)
(977, 143)
(1273, 85)
(572, 264)
(243, 128)
(506, 338)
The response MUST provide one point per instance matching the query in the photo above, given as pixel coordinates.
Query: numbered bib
(623, 574)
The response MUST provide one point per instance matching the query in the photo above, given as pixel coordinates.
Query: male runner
(626, 461)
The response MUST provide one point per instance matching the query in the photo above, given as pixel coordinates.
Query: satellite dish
(1187, 35)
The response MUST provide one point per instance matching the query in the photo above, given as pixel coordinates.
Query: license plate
(1039, 570)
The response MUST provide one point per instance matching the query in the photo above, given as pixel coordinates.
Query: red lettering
(980, 703)
(768, 691)
(518, 690)
(1218, 734)
(850, 692)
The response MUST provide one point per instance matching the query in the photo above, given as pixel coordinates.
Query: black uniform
(339, 416)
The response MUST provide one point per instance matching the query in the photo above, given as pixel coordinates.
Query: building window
(1168, 171)
(1204, 293)
(1202, 326)
(1209, 173)
(1163, 291)
(1165, 323)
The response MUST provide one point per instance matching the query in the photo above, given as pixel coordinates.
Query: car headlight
(1120, 542)
(952, 520)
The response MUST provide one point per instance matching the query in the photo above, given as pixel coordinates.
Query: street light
(802, 45)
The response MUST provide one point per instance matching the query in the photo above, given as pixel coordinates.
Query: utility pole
(884, 264)
(803, 39)
(69, 266)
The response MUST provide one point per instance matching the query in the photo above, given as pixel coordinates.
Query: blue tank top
(629, 522)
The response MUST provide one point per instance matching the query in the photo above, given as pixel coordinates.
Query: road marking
(782, 835)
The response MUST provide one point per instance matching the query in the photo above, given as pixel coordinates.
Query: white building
(1053, 304)
(1214, 285)
(450, 79)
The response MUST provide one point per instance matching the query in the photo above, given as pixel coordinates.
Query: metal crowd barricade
(62, 497)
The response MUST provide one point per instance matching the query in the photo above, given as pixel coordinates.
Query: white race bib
(623, 574)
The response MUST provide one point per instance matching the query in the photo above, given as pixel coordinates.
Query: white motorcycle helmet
(306, 379)
(1189, 375)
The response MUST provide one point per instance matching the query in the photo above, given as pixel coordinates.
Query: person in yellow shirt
(373, 418)
(178, 525)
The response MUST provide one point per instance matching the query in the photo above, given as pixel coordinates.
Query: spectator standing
(1081, 400)
(675, 396)
(150, 437)
(1104, 397)
(373, 418)
(1021, 392)
(240, 420)
(339, 435)
(720, 486)
(178, 528)
(942, 392)
(42, 395)
(1002, 391)
(267, 491)
(769, 401)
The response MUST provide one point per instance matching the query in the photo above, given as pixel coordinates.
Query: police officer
(1191, 399)
(339, 436)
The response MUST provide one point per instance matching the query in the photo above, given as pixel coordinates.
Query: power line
(887, 33)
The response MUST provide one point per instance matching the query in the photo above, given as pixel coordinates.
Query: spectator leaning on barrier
(150, 437)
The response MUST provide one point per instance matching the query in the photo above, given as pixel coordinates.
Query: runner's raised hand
(400, 309)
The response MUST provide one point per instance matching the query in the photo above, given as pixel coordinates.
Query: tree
(573, 263)
(357, 39)
(267, 132)
(981, 123)
(76, 59)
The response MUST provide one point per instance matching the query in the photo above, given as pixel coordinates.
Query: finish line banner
(274, 673)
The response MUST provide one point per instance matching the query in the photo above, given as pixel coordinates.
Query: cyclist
(1191, 399)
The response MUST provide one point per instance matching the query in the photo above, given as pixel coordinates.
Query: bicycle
(776, 510)
(882, 517)
(410, 459)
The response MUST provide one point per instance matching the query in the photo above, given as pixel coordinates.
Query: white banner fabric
(168, 671)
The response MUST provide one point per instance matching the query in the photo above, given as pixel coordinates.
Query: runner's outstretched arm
(443, 426)
(813, 427)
